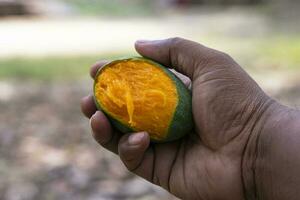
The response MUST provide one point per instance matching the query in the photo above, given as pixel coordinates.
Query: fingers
(96, 67)
(100, 125)
(104, 133)
(132, 148)
(88, 106)
(152, 162)
(183, 55)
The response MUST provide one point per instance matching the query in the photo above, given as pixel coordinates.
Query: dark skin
(244, 146)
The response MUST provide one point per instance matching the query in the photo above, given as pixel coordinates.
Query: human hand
(230, 111)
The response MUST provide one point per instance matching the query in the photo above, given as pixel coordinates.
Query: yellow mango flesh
(138, 94)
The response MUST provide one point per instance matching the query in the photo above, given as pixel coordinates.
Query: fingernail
(85, 98)
(93, 116)
(143, 41)
(136, 138)
(90, 123)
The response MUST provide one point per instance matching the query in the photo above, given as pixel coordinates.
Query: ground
(46, 149)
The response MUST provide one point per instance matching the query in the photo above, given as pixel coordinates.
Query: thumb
(184, 55)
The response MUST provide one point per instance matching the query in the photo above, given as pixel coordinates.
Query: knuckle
(174, 41)
(104, 141)
(176, 46)
(130, 162)
(219, 58)
(223, 56)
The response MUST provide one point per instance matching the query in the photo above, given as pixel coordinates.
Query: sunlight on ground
(7, 91)
(63, 36)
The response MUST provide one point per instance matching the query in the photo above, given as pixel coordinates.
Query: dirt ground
(47, 151)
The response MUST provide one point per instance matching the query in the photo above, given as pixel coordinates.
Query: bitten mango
(138, 94)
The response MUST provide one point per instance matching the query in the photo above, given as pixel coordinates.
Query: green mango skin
(182, 122)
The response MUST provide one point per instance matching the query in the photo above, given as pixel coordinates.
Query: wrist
(261, 129)
(271, 162)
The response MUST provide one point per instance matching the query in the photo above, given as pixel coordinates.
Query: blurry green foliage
(283, 51)
(112, 7)
(273, 53)
(46, 68)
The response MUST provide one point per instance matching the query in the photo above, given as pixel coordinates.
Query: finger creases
(132, 148)
(88, 106)
(103, 132)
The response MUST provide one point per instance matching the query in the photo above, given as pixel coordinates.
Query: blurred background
(47, 46)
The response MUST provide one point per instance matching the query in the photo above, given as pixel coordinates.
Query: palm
(207, 164)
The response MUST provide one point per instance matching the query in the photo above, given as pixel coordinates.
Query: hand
(230, 112)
